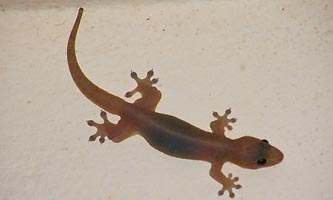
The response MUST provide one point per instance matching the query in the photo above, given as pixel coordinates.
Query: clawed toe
(134, 75)
(150, 73)
(154, 80)
(91, 123)
(130, 94)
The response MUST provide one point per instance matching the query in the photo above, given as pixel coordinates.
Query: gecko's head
(253, 153)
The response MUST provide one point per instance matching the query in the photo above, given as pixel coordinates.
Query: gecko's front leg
(228, 183)
(218, 126)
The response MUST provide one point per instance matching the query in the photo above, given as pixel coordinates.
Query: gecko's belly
(175, 147)
(177, 138)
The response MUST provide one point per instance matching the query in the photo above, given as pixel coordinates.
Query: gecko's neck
(224, 148)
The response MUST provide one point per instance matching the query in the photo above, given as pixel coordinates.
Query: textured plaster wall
(271, 61)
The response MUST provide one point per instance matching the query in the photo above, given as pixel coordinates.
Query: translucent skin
(169, 134)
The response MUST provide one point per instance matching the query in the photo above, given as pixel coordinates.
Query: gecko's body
(169, 134)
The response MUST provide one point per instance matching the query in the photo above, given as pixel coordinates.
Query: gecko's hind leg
(115, 132)
(150, 94)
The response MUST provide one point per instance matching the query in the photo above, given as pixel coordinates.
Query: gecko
(168, 134)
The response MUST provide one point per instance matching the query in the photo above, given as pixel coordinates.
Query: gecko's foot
(229, 185)
(102, 129)
(223, 120)
(143, 85)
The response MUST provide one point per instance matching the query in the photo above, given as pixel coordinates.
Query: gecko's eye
(264, 140)
(261, 162)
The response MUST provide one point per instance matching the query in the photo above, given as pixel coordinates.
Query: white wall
(271, 61)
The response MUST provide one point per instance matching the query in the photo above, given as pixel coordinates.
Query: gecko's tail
(100, 97)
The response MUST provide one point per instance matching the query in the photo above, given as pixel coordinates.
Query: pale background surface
(270, 61)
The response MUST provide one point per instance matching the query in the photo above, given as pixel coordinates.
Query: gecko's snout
(275, 156)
